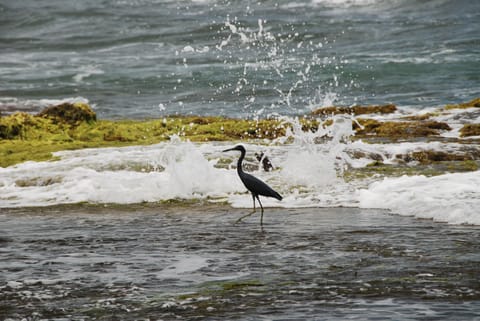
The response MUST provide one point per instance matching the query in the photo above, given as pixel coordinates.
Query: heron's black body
(253, 184)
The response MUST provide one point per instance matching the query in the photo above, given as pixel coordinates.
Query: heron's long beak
(227, 150)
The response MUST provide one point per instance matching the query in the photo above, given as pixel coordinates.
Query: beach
(165, 262)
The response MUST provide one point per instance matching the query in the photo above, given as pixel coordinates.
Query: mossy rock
(418, 117)
(28, 137)
(14, 125)
(356, 110)
(399, 129)
(69, 113)
(10, 131)
(470, 104)
(470, 130)
(432, 156)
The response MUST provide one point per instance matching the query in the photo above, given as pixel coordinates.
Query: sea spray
(189, 174)
(316, 158)
(309, 168)
(178, 170)
(265, 80)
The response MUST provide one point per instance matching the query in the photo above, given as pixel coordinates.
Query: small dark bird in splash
(266, 164)
(253, 184)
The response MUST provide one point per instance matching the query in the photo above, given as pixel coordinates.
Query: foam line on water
(307, 173)
(452, 198)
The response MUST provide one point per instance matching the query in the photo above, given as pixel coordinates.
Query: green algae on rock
(68, 126)
(72, 126)
(399, 129)
(470, 104)
(356, 110)
(69, 113)
(470, 130)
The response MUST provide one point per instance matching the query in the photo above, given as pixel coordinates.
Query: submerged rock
(399, 129)
(433, 156)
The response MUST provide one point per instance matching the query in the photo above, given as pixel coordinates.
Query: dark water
(146, 58)
(193, 263)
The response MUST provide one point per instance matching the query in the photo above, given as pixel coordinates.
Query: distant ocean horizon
(148, 58)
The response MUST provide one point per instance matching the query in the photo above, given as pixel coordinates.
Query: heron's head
(240, 148)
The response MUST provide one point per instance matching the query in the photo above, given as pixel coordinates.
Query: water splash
(318, 154)
(266, 76)
(308, 172)
(165, 171)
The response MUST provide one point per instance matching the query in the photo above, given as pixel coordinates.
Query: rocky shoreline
(69, 126)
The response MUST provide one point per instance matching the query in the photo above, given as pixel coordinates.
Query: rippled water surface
(191, 262)
(146, 58)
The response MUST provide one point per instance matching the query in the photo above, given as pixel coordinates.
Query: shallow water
(188, 262)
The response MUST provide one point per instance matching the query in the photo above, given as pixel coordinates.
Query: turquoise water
(148, 58)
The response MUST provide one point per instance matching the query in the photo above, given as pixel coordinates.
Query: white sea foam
(344, 3)
(308, 167)
(87, 71)
(185, 264)
(330, 3)
(452, 198)
(97, 176)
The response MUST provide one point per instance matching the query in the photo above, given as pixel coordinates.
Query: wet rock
(399, 129)
(69, 113)
(356, 110)
(470, 130)
(473, 103)
(432, 156)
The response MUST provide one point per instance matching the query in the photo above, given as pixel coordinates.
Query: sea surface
(148, 58)
(193, 263)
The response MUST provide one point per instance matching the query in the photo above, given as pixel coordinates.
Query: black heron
(253, 184)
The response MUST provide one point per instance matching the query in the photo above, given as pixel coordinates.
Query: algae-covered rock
(72, 126)
(418, 117)
(69, 113)
(13, 126)
(473, 103)
(470, 130)
(432, 156)
(399, 129)
(356, 110)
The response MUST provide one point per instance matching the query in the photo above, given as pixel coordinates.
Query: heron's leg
(241, 218)
(261, 215)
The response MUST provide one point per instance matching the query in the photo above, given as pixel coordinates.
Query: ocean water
(148, 58)
(94, 235)
(178, 262)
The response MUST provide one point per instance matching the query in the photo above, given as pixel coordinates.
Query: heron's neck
(239, 163)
